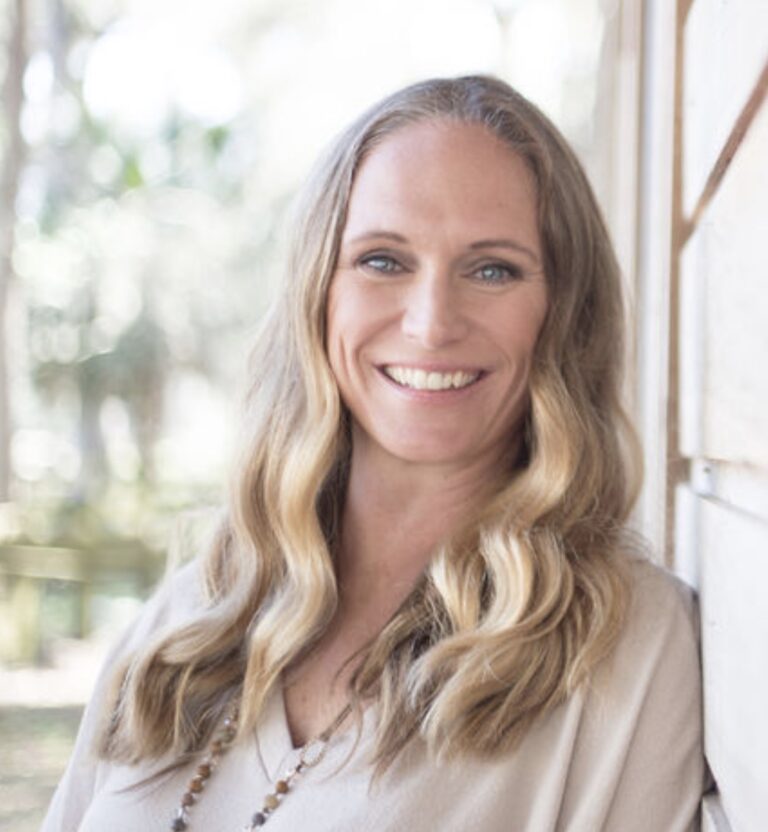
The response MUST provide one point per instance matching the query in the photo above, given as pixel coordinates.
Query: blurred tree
(141, 251)
(119, 216)
(10, 175)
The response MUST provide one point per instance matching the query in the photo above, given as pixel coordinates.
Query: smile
(417, 379)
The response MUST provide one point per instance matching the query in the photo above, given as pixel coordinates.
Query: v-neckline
(273, 736)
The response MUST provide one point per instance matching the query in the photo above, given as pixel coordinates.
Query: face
(438, 297)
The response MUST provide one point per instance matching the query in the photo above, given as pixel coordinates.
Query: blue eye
(497, 273)
(381, 263)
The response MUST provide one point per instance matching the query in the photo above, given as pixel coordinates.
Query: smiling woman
(438, 298)
(422, 585)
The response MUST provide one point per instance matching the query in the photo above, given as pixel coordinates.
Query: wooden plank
(64, 564)
(723, 378)
(676, 464)
(654, 245)
(734, 617)
(726, 46)
(732, 144)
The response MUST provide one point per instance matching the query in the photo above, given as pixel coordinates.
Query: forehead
(444, 175)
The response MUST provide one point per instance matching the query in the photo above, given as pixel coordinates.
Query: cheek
(340, 314)
(353, 317)
(517, 335)
(345, 330)
(526, 321)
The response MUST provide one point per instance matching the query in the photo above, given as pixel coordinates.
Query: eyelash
(511, 272)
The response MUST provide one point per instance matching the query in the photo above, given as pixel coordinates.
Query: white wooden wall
(701, 384)
(721, 512)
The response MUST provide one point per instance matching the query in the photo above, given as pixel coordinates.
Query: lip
(433, 395)
(432, 367)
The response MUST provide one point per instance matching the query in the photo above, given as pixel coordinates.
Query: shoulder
(658, 582)
(639, 758)
(656, 655)
(180, 595)
(178, 598)
(662, 608)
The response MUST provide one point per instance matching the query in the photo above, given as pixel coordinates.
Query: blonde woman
(422, 610)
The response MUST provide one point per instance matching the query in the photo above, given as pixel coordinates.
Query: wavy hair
(514, 611)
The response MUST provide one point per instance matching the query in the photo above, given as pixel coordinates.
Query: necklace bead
(271, 802)
(179, 824)
(310, 755)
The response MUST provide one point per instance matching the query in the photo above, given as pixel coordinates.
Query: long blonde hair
(510, 615)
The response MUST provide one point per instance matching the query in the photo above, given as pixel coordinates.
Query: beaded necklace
(310, 755)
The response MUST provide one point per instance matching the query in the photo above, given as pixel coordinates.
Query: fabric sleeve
(641, 765)
(76, 788)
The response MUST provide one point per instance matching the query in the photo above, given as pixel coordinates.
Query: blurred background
(149, 150)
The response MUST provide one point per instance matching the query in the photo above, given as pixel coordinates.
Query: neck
(395, 514)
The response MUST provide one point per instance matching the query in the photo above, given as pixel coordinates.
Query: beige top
(623, 754)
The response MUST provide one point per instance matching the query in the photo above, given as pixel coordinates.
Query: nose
(433, 315)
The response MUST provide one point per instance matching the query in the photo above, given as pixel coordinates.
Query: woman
(422, 611)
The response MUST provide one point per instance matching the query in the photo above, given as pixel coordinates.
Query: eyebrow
(501, 242)
(377, 235)
(505, 243)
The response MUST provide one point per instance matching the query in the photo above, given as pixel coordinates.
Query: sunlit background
(150, 149)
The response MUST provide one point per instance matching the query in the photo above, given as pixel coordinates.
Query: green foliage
(131, 175)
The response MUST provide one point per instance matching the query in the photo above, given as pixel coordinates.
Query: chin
(429, 452)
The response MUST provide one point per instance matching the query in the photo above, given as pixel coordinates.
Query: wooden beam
(731, 146)
(678, 467)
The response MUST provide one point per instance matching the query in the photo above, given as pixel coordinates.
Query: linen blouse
(623, 754)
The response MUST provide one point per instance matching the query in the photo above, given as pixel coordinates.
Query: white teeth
(422, 380)
(435, 381)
